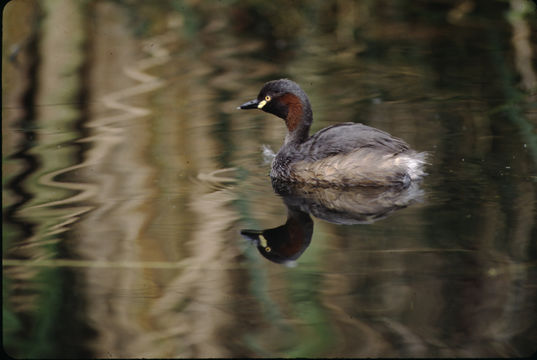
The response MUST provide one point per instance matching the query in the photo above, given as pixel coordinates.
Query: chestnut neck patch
(295, 112)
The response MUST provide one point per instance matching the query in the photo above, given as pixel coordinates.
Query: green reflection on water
(305, 295)
(32, 319)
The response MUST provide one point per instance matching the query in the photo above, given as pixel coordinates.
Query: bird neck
(298, 119)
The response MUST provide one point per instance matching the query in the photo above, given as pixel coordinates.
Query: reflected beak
(252, 104)
(252, 235)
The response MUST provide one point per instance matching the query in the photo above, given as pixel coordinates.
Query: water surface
(129, 174)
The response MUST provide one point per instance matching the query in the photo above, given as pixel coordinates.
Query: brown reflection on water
(164, 210)
(129, 175)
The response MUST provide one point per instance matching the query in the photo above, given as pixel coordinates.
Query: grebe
(342, 155)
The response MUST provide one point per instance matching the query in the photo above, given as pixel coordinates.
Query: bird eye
(268, 249)
(267, 98)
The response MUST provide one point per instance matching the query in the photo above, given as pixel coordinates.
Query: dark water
(128, 175)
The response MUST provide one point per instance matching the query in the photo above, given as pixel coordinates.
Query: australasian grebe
(341, 155)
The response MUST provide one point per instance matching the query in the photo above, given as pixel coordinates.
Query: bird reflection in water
(360, 205)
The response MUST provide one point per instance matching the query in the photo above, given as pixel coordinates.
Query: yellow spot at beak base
(261, 104)
(262, 241)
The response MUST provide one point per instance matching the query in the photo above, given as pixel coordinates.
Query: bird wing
(347, 137)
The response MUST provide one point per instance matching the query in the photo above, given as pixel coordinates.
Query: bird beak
(252, 104)
(253, 235)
